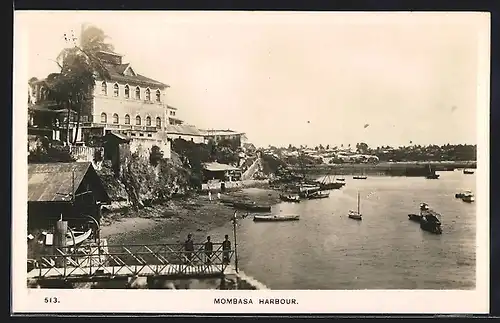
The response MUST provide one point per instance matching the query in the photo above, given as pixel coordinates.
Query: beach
(194, 214)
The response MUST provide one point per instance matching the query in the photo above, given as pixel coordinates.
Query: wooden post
(235, 244)
(61, 229)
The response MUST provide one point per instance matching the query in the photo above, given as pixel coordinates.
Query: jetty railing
(131, 260)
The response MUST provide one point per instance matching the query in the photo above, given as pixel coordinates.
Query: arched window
(137, 93)
(148, 121)
(158, 96)
(127, 119)
(116, 119)
(116, 90)
(138, 120)
(127, 92)
(104, 118)
(158, 122)
(148, 95)
(104, 88)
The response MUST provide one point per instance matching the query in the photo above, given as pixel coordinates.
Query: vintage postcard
(251, 162)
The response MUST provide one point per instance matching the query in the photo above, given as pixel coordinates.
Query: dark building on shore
(220, 172)
(71, 190)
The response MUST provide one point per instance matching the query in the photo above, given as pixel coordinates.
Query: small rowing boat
(78, 238)
(262, 218)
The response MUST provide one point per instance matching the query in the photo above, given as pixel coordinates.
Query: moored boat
(432, 173)
(469, 198)
(329, 183)
(318, 195)
(262, 218)
(359, 177)
(461, 195)
(290, 198)
(355, 215)
(331, 186)
(430, 220)
(468, 171)
(251, 206)
(415, 217)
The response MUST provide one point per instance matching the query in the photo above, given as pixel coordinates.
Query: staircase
(255, 167)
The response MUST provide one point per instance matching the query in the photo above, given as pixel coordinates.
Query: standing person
(218, 195)
(226, 247)
(209, 196)
(209, 247)
(189, 248)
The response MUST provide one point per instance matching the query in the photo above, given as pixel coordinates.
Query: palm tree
(80, 67)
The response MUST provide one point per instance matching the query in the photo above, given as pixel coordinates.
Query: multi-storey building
(128, 103)
(217, 135)
(172, 118)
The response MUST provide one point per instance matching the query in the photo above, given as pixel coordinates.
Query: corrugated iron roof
(53, 182)
(218, 167)
(119, 136)
(182, 129)
(116, 74)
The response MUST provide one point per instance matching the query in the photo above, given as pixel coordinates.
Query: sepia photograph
(225, 152)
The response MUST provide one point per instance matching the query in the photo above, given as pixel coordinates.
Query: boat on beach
(290, 198)
(468, 171)
(251, 206)
(355, 215)
(77, 239)
(269, 218)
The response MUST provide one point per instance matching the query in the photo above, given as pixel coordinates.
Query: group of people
(208, 249)
(210, 196)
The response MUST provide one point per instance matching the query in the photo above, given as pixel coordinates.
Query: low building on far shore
(50, 190)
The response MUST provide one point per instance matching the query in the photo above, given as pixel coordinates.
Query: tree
(362, 147)
(73, 86)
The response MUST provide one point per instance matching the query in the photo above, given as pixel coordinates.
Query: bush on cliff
(43, 150)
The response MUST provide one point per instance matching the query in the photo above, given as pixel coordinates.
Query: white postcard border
(25, 300)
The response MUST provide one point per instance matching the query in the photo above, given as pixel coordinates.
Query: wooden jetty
(95, 263)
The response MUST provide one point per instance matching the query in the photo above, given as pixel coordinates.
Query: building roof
(182, 129)
(116, 73)
(218, 167)
(55, 182)
(119, 136)
(171, 107)
(219, 132)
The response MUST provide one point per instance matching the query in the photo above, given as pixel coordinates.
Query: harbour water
(327, 250)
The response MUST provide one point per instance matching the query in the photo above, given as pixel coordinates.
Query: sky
(294, 78)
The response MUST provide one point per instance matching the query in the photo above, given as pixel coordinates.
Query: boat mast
(358, 203)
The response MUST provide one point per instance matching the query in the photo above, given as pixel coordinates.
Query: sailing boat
(355, 215)
(432, 174)
(330, 184)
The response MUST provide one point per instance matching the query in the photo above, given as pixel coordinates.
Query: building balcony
(117, 126)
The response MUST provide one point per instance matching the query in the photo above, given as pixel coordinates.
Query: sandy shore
(178, 217)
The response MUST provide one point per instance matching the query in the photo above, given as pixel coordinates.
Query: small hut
(71, 190)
